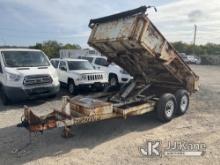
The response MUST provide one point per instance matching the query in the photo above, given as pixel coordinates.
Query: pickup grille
(37, 80)
(95, 77)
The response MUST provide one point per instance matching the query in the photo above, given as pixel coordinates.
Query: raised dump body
(132, 41)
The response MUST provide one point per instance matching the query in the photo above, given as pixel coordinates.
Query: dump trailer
(162, 81)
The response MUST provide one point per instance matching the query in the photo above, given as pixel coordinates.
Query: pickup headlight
(81, 77)
(84, 77)
(13, 77)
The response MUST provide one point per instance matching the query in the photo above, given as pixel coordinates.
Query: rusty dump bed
(132, 41)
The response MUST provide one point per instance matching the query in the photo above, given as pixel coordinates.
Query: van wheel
(166, 107)
(52, 96)
(4, 98)
(71, 87)
(182, 98)
(113, 80)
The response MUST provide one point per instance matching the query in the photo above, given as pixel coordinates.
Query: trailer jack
(33, 123)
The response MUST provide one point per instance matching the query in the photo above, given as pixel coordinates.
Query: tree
(69, 46)
(207, 49)
(52, 48)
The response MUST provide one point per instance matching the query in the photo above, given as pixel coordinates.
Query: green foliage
(69, 46)
(210, 60)
(52, 48)
(208, 49)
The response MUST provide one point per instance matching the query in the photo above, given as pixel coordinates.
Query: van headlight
(13, 77)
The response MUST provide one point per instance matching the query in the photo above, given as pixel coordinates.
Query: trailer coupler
(23, 124)
(33, 123)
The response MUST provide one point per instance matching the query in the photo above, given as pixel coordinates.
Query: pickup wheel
(182, 98)
(113, 80)
(71, 87)
(166, 107)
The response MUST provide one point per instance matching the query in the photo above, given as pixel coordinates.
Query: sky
(26, 22)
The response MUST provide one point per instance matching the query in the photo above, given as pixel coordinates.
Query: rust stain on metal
(137, 109)
(89, 106)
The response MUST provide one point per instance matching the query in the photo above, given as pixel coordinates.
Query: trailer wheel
(166, 107)
(182, 98)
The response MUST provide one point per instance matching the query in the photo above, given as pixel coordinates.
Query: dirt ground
(117, 141)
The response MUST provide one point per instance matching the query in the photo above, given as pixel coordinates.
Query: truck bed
(131, 40)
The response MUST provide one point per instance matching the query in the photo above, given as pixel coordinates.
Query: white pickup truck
(26, 74)
(78, 73)
(116, 75)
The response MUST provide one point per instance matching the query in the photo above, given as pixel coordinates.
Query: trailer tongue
(162, 81)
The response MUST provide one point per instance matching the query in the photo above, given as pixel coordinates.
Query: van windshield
(24, 59)
(79, 65)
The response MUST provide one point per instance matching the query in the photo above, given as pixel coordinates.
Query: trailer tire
(166, 107)
(182, 98)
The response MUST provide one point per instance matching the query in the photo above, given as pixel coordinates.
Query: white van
(26, 74)
(78, 73)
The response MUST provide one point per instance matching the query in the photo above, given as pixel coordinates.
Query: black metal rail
(140, 10)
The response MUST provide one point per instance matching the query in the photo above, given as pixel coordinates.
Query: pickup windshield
(79, 65)
(24, 59)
